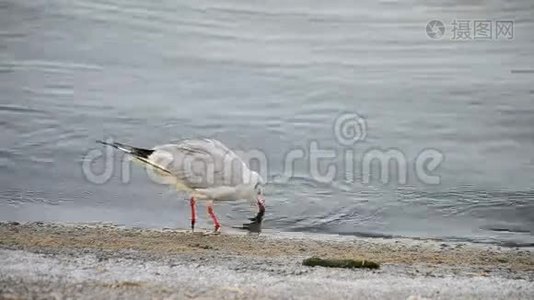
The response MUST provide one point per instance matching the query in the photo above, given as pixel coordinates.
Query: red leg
(213, 216)
(192, 202)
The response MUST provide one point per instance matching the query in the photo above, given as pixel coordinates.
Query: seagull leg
(213, 217)
(192, 202)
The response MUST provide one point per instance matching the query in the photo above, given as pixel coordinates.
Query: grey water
(273, 76)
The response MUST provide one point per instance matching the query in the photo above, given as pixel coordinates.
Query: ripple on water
(13, 108)
(48, 66)
(22, 197)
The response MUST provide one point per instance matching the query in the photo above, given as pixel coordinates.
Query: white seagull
(207, 170)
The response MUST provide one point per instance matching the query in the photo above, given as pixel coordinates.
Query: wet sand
(102, 260)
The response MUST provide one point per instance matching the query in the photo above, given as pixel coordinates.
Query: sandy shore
(105, 261)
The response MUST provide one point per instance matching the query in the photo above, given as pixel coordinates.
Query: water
(272, 77)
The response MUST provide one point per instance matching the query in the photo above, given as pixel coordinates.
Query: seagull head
(257, 183)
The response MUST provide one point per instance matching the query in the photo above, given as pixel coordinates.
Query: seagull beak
(261, 207)
(261, 201)
(255, 226)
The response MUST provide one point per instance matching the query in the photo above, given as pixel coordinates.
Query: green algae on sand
(340, 263)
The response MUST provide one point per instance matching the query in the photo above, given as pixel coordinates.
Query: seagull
(207, 170)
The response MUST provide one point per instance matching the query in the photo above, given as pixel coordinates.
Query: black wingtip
(104, 143)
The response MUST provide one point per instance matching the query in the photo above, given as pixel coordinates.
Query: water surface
(271, 76)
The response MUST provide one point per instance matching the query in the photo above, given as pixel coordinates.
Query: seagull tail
(137, 152)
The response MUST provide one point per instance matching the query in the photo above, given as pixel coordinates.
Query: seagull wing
(201, 164)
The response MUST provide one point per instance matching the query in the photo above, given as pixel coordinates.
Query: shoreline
(102, 260)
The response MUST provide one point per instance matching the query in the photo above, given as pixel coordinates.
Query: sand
(107, 261)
